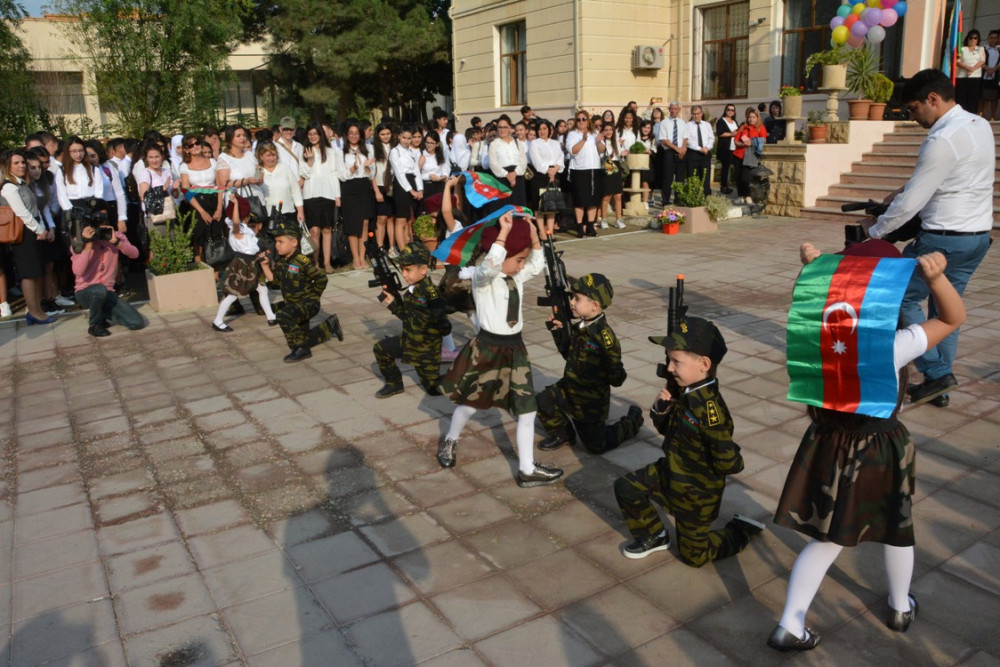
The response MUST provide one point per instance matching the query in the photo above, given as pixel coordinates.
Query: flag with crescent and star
(482, 188)
(841, 331)
(458, 247)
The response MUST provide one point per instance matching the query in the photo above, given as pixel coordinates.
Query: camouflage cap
(287, 229)
(413, 253)
(697, 335)
(595, 286)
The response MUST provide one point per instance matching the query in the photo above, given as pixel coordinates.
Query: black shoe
(642, 548)
(748, 526)
(783, 640)
(434, 390)
(335, 329)
(900, 620)
(929, 389)
(553, 442)
(98, 332)
(272, 323)
(727, 191)
(581, 231)
(389, 389)
(540, 476)
(592, 231)
(446, 453)
(298, 354)
(225, 328)
(635, 414)
(235, 309)
(941, 401)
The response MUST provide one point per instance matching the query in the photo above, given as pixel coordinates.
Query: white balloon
(876, 34)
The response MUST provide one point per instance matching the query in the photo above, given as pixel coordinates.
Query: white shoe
(5, 310)
(393, 253)
(604, 223)
(619, 224)
(64, 302)
(50, 313)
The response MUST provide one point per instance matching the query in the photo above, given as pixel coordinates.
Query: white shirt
(490, 291)
(626, 138)
(322, 177)
(246, 245)
(200, 178)
(11, 193)
(281, 186)
(707, 135)
(970, 57)
(665, 131)
(909, 344)
(239, 168)
(546, 153)
(461, 154)
(403, 161)
(350, 159)
(504, 154)
(291, 158)
(733, 126)
(113, 189)
(952, 184)
(80, 189)
(432, 168)
(587, 157)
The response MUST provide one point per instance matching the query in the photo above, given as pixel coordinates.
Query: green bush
(717, 207)
(170, 250)
(638, 148)
(424, 227)
(691, 193)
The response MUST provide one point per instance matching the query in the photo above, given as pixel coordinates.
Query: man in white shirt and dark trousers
(952, 190)
(672, 137)
(701, 139)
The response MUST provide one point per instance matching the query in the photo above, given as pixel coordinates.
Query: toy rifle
(265, 237)
(557, 289)
(676, 310)
(385, 275)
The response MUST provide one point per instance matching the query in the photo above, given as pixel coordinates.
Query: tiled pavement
(179, 497)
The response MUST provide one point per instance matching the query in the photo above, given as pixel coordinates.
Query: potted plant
(879, 93)
(425, 229)
(816, 123)
(834, 63)
(175, 281)
(670, 220)
(861, 73)
(791, 101)
(690, 199)
(637, 158)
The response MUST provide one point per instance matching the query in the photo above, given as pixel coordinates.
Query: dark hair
(97, 147)
(115, 143)
(229, 134)
(620, 125)
(377, 148)
(925, 82)
(475, 120)
(969, 35)
(439, 113)
(762, 107)
(362, 144)
(318, 127)
(39, 153)
(263, 134)
(525, 109)
(438, 150)
(209, 132)
(69, 168)
(993, 32)
(552, 129)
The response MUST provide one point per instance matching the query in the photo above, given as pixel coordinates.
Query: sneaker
(604, 223)
(5, 310)
(619, 224)
(643, 547)
(930, 389)
(393, 253)
(900, 620)
(59, 311)
(298, 354)
(449, 355)
(389, 389)
(540, 476)
(337, 331)
(64, 302)
(747, 525)
(783, 640)
(446, 453)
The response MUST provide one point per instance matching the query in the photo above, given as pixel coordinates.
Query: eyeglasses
(503, 127)
(190, 146)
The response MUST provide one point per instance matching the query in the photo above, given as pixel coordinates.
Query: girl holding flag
(853, 475)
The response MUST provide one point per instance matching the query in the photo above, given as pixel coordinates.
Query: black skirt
(402, 200)
(384, 208)
(29, 263)
(611, 184)
(355, 204)
(586, 192)
(320, 212)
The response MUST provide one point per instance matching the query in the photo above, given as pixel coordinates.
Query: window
(512, 70)
(807, 30)
(725, 51)
(61, 92)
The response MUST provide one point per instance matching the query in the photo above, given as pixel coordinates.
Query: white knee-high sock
(526, 442)
(899, 572)
(265, 301)
(448, 343)
(227, 301)
(459, 419)
(807, 574)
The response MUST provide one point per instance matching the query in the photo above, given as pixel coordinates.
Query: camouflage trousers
(554, 410)
(697, 543)
(492, 370)
(390, 348)
(293, 318)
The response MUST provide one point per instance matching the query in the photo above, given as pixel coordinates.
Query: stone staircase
(886, 167)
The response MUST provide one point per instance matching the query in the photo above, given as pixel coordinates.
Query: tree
(358, 53)
(21, 111)
(159, 63)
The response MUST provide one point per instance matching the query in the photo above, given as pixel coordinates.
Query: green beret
(415, 253)
(596, 287)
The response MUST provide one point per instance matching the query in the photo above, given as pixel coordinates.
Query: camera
(89, 214)
(856, 233)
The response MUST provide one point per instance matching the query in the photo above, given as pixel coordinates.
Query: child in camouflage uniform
(593, 365)
(301, 285)
(699, 453)
(425, 321)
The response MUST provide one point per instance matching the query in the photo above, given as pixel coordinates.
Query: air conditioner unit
(647, 57)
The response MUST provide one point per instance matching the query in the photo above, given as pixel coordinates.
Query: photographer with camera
(96, 246)
(952, 190)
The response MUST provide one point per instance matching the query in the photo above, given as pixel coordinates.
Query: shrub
(690, 193)
(717, 207)
(424, 227)
(170, 249)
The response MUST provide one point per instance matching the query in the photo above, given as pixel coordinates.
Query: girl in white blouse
(155, 174)
(355, 165)
(237, 167)
(627, 130)
(78, 181)
(321, 191)
(547, 160)
(407, 184)
(434, 169)
(508, 162)
(382, 186)
(584, 166)
(280, 186)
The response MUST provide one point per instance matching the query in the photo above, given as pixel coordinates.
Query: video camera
(856, 233)
(89, 214)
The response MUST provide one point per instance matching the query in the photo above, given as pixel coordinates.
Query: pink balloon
(836, 22)
(889, 17)
(854, 42)
(859, 29)
(888, 4)
(872, 17)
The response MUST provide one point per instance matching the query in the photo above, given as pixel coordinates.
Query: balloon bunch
(865, 21)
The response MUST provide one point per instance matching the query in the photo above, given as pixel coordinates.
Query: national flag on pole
(457, 248)
(841, 332)
(953, 43)
(480, 189)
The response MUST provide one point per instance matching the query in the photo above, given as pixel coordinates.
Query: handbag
(11, 226)
(750, 158)
(167, 211)
(154, 198)
(305, 243)
(258, 213)
(217, 251)
(552, 200)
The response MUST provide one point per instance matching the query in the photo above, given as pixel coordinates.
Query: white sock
(898, 572)
(265, 301)
(807, 574)
(526, 442)
(448, 343)
(459, 419)
(227, 301)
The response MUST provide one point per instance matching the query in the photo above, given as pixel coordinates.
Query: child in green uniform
(301, 285)
(699, 453)
(593, 365)
(425, 321)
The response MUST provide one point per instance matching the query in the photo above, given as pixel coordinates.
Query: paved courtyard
(179, 497)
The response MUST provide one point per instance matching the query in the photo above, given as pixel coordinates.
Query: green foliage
(424, 227)
(21, 111)
(717, 206)
(159, 63)
(840, 55)
(638, 148)
(170, 250)
(881, 89)
(861, 71)
(816, 118)
(690, 193)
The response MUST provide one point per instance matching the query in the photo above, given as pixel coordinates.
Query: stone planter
(637, 161)
(834, 76)
(182, 291)
(697, 221)
(876, 111)
(817, 134)
(791, 106)
(858, 109)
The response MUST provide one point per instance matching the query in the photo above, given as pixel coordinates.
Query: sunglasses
(190, 146)
(581, 119)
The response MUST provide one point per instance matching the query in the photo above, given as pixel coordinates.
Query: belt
(946, 232)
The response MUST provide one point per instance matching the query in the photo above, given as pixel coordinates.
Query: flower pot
(876, 111)
(791, 106)
(182, 291)
(670, 228)
(858, 109)
(637, 161)
(834, 76)
(697, 220)
(817, 134)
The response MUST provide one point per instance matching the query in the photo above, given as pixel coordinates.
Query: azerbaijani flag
(480, 189)
(190, 193)
(954, 42)
(841, 332)
(457, 248)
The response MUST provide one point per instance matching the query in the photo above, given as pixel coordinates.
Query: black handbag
(153, 200)
(552, 200)
(218, 252)
(258, 214)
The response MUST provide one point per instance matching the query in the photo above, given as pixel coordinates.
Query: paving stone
(684, 648)
(62, 633)
(510, 544)
(405, 636)
(212, 517)
(52, 523)
(196, 642)
(315, 560)
(146, 566)
(602, 620)
(543, 641)
(302, 527)
(545, 580)
(327, 647)
(442, 566)
(280, 618)
(471, 513)
(229, 545)
(42, 556)
(48, 592)
(113, 485)
(53, 497)
(250, 578)
(484, 607)
(114, 510)
(362, 592)
(405, 533)
(163, 603)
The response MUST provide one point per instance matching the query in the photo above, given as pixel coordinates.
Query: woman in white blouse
(355, 166)
(279, 185)
(382, 185)
(969, 72)
(155, 174)
(627, 130)
(321, 191)
(508, 162)
(584, 168)
(407, 185)
(434, 169)
(237, 167)
(79, 181)
(547, 160)
(28, 258)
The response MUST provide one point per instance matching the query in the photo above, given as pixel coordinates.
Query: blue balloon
(844, 11)
(900, 8)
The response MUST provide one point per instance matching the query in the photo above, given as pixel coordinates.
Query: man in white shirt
(952, 190)
(701, 139)
(671, 135)
(289, 150)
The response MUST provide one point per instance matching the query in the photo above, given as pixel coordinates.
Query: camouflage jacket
(593, 356)
(700, 452)
(298, 279)
(424, 319)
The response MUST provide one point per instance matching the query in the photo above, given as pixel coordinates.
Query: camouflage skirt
(854, 486)
(242, 275)
(492, 370)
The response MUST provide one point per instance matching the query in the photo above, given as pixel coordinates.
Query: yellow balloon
(877, 4)
(840, 34)
(858, 8)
